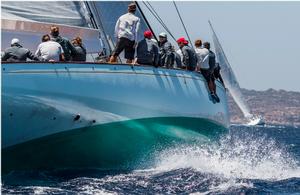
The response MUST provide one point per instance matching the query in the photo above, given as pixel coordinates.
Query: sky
(261, 39)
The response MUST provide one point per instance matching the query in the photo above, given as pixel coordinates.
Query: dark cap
(206, 45)
(132, 7)
(54, 31)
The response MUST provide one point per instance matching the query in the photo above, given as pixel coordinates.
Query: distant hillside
(277, 106)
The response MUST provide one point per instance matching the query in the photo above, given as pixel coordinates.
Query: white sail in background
(229, 77)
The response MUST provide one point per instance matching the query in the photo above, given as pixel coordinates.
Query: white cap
(14, 41)
(163, 34)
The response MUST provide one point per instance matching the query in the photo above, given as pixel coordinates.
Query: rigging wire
(154, 13)
(182, 23)
(159, 18)
(146, 20)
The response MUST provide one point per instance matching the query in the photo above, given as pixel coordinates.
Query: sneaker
(215, 97)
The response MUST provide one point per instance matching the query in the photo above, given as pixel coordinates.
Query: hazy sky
(261, 39)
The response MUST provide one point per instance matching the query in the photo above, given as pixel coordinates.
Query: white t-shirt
(49, 50)
(180, 54)
(203, 57)
(127, 26)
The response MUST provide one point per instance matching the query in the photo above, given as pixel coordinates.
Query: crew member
(189, 58)
(203, 64)
(126, 30)
(147, 50)
(50, 50)
(178, 58)
(16, 53)
(68, 48)
(212, 65)
(80, 50)
(166, 54)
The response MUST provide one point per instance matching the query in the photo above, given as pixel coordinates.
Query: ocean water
(248, 160)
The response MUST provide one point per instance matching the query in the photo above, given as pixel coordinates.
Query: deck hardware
(77, 117)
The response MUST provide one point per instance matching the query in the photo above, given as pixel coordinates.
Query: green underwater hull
(112, 146)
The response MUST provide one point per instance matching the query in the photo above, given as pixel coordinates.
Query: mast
(98, 24)
(94, 23)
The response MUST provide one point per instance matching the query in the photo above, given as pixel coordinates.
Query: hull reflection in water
(102, 116)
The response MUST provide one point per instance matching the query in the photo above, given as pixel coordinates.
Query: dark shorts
(191, 68)
(144, 63)
(124, 43)
(217, 72)
(207, 74)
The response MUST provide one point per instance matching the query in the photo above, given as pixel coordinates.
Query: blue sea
(247, 160)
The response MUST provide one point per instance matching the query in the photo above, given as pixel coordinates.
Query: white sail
(229, 77)
(29, 21)
(72, 13)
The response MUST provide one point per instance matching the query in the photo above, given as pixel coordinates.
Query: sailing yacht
(94, 115)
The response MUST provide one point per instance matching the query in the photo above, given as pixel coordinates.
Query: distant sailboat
(232, 83)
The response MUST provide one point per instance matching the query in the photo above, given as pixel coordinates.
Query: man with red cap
(147, 50)
(189, 58)
(126, 30)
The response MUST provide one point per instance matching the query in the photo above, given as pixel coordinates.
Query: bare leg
(129, 61)
(211, 86)
(113, 59)
(215, 87)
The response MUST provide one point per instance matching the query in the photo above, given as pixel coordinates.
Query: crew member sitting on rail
(178, 58)
(16, 53)
(126, 30)
(189, 58)
(166, 54)
(68, 48)
(80, 50)
(50, 50)
(147, 50)
(212, 65)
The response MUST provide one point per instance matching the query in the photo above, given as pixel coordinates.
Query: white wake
(246, 157)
